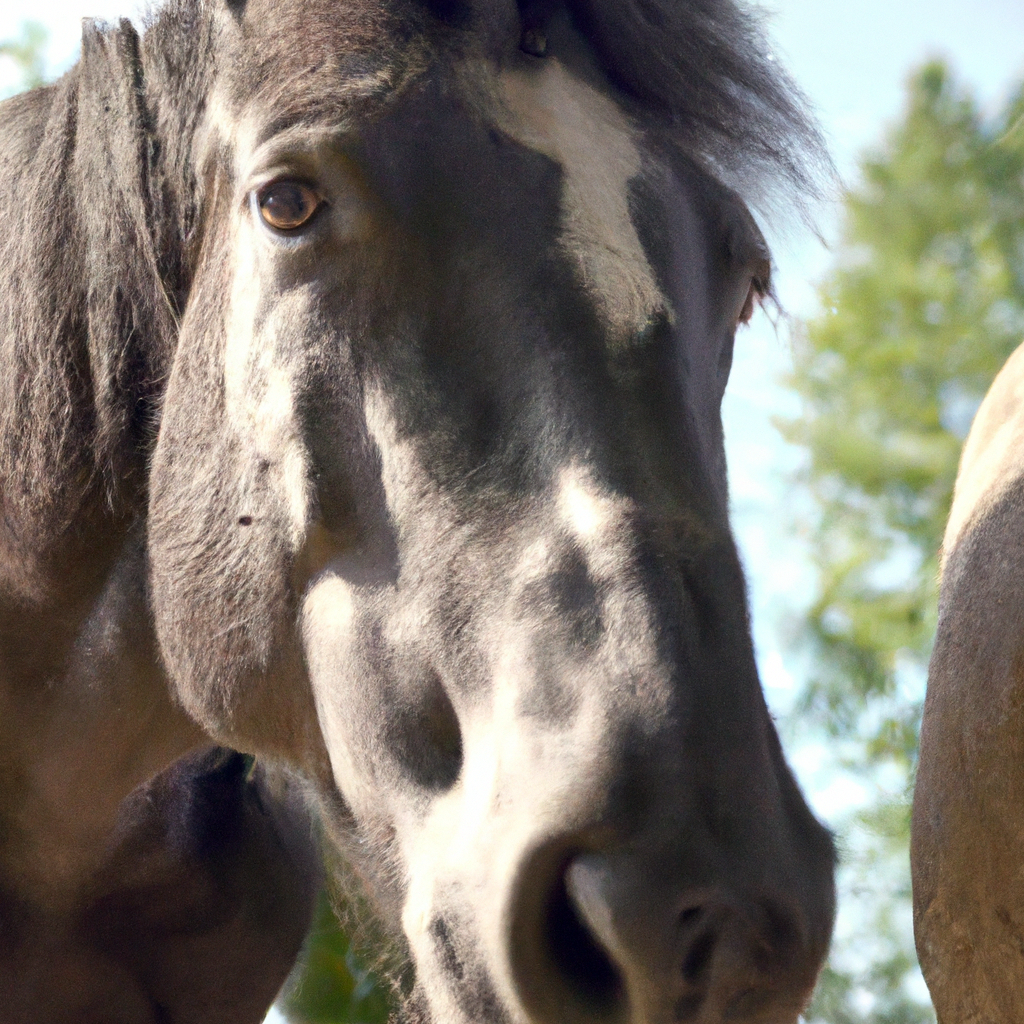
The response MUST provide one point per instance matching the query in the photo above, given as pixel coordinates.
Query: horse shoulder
(198, 912)
(969, 799)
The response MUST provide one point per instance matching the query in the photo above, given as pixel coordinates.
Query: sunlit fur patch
(988, 465)
(329, 623)
(556, 114)
(475, 835)
(260, 385)
(330, 609)
(412, 496)
(239, 132)
(317, 82)
(536, 558)
(590, 512)
(598, 521)
(580, 507)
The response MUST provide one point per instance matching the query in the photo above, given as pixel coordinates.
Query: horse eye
(749, 303)
(287, 205)
(758, 290)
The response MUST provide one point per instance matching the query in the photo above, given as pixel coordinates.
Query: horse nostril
(581, 962)
(689, 915)
(735, 954)
(593, 941)
(780, 938)
(700, 938)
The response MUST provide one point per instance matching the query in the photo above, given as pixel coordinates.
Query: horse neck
(86, 715)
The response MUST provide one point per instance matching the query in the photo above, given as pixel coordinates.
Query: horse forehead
(568, 120)
(544, 107)
(305, 66)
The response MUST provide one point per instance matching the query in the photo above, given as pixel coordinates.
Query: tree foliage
(28, 54)
(331, 985)
(925, 302)
(924, 306)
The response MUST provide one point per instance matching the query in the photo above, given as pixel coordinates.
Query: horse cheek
(222, 547)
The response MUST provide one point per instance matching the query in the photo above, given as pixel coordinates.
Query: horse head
(437, 508)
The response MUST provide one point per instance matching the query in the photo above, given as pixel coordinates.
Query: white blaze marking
(590, 137)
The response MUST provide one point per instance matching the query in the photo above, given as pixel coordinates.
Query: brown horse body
(968, 829)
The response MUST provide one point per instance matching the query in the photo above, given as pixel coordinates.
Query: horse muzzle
(611, 943)
(569, 906)
(591, 816)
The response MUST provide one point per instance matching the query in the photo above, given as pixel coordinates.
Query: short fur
(84, 352)
(967, 821)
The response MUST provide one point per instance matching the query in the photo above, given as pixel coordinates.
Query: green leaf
(331, 985)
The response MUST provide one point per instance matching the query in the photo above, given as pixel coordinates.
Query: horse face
(438, 512)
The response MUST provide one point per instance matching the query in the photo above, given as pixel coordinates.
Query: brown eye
(287, 205)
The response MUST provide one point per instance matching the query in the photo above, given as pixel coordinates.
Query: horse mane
(92, 283)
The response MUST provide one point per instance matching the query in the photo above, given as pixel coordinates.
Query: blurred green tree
(925, 302)
(331, 985)
(28, 54)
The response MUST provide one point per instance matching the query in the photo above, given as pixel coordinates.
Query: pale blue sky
(852, 59)
(849, 57)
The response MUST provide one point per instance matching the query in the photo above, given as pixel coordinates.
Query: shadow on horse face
(438, 508)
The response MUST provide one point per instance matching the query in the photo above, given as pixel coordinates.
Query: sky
(851, 58)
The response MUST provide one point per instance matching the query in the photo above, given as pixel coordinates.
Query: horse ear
(131, 322)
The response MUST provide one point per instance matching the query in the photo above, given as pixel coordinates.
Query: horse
(363, 483)
(968, 798)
